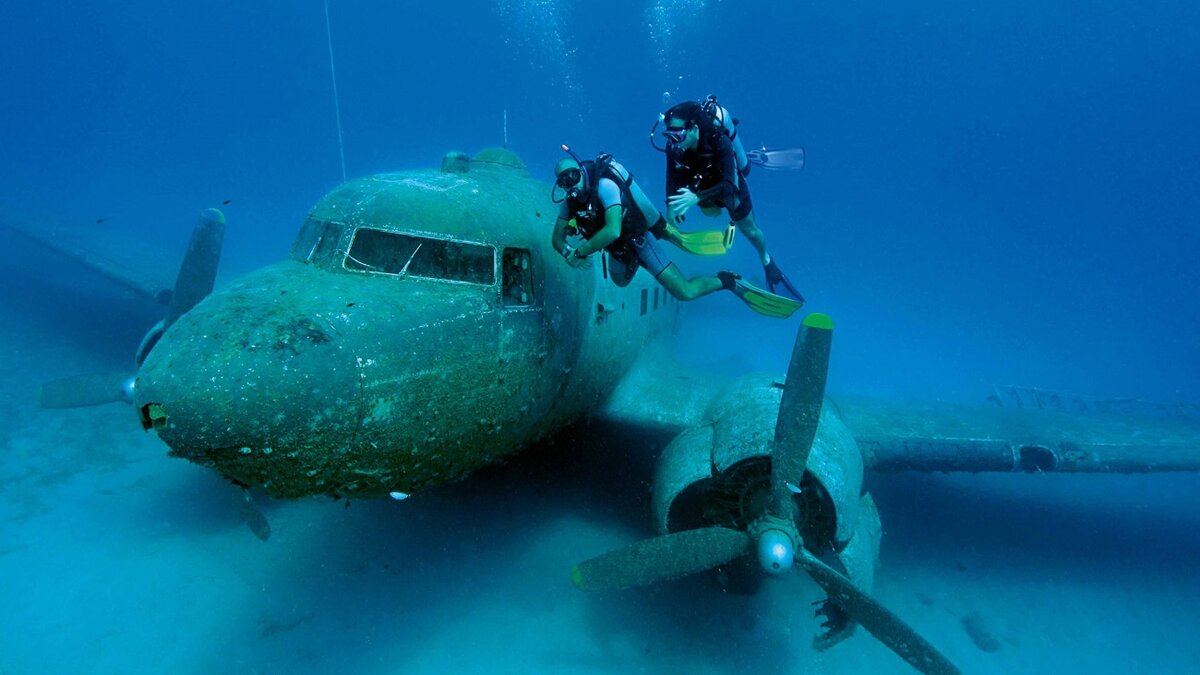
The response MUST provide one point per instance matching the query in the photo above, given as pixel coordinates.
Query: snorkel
(574, 157)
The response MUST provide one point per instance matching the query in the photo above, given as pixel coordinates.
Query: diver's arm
(741, 160)
(606, 235)
(559, 238)
(679, 203)
(674, 179)
(721, 192)
(676, 187)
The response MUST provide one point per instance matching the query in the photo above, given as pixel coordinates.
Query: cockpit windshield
(425, 257)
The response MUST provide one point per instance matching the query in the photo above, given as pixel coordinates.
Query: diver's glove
(776, 277)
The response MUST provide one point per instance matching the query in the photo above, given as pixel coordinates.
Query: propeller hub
(127, 386)
(776, 551)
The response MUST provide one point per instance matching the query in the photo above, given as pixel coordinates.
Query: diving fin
(704, 242)
(776, 277)
(777, 159)
(765, 302)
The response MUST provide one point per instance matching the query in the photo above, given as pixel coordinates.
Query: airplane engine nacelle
(719, 473)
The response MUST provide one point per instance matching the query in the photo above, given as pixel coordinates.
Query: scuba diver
(612, 213)
(707, 167)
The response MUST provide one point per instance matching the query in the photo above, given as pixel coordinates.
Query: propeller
(799, 410)
(877, 619)
(195, 280)
(774, 536)
(197, 274)
(667, 557)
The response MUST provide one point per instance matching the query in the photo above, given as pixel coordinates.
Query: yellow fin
(704, 242)
(766, 302)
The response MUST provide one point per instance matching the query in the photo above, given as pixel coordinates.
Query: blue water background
(995, 192)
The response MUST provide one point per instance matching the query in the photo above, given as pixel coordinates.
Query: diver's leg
(776, 279)
(684, 289)
(668, 274)
(742, 215)
(758, 240)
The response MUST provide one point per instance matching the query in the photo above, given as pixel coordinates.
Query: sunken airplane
(422, 327)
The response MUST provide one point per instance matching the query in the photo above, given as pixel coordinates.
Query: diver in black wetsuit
(602, 204)
(707, 168)
(611, 212)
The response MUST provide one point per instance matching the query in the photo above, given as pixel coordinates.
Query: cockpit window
(317, 237)
(409, 255)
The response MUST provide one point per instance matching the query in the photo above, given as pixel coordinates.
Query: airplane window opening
(1036, 459)
(644, 301)
(428, 258)
(327, 247)
(517, 286)
(316, 238)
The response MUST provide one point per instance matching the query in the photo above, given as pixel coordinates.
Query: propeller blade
(198, 271)
(800, 408)
(877, 619)
(79, 391)
(252, 516)
(667, 557)
(197, 274)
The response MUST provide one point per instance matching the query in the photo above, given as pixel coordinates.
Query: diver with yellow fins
(601, 202)
(707, 167)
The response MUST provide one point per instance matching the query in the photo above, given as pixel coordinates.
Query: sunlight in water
(664, 19)
(538, 28)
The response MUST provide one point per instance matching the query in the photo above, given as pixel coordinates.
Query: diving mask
(568, 178)
(674, 134)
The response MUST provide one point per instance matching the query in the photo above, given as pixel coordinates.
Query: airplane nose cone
(260, 388)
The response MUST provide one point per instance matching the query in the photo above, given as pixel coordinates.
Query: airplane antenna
(337, 107)
(506, 128)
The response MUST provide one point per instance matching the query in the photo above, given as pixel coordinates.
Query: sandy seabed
(118, 559)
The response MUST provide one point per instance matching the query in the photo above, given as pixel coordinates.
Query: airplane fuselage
(422, 327)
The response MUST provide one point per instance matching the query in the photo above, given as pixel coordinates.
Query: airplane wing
(900, 436)
(1024, 429)
(132, 263)
(658, 394)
